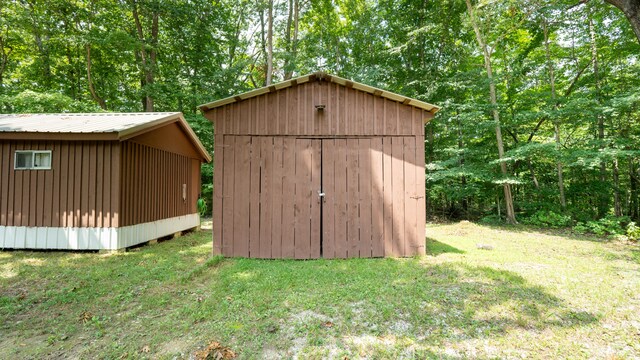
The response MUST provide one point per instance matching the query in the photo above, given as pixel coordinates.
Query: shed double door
(311, 198)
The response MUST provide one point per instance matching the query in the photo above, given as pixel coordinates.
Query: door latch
(321, 196)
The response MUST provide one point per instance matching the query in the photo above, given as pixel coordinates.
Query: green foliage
(206, 50)
(492, 220)
(548, 219)
(633, 231)
(609, 225)
(33, 102)
(202, 206)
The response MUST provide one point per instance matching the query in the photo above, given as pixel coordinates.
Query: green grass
(535, 295)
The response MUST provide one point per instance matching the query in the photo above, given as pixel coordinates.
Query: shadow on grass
(435, 247)
(377, 298)
(38, 279)
(250, 305)
(563, 232)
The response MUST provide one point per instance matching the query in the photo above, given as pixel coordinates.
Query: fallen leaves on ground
(85, 317)
(215, 351)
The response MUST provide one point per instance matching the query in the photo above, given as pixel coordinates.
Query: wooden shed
(319, 166)
(96, 181)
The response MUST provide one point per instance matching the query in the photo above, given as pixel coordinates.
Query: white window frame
(33, 158)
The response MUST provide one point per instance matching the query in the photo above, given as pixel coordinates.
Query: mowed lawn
(533, 295)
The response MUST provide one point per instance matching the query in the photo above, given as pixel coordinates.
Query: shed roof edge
(323, 76)
(170, 118)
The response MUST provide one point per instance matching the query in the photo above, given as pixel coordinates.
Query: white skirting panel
(22, 237)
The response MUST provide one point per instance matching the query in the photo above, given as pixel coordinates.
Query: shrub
(633, 231)
(547, 219)
(608, 225)
(202, 207)
(581, 228)
(492, 220)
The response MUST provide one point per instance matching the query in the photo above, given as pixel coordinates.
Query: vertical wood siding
(273, 152)
(291, 111)
(268, 195)
(269, 200)
(80, 190)
(372, 202)
(152, 184)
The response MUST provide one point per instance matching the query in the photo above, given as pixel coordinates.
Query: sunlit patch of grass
(535, 294)
(33, 262)
(8, 271)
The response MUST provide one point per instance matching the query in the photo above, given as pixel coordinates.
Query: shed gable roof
(92, 126)
(326, 77)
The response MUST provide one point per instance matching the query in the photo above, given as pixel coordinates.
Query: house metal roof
(321, 76)
(98, 126)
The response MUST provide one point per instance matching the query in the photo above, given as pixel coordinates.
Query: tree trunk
(270, 44)
(634, 182)
(631, 9)
(603, 198)
(92, 90)
(234, 43)
(429, 149)
(46, 60)
(147, 57)
(5, 50)
(43, 47)
(4, 59)
(150, 75)
(287, 43)
(508, 197)
(294, 44)
(463, 179)
(532, 171)
(556, 121)
(617, 206)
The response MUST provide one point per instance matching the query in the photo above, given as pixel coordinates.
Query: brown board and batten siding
(80, 190)
(152, 184)
(115, 180)
(275, 153)
(155, 175)
(291, 112)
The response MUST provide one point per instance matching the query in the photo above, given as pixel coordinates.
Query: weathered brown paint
(152, 180)
(45, 198)
(365, 150)
(98, 183)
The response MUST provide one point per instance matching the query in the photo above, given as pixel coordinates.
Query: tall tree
(269, 43)
(554, 104)
(508, 196)
(148, 43)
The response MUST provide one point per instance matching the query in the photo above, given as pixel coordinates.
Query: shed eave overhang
(321, 76)
(177, 117)
(79, 132)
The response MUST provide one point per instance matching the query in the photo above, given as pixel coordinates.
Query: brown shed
(96, 181)
(319, 166)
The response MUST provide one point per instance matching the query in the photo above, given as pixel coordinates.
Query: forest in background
(540, 119)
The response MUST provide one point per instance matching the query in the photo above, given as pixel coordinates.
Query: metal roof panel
(79, 123)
